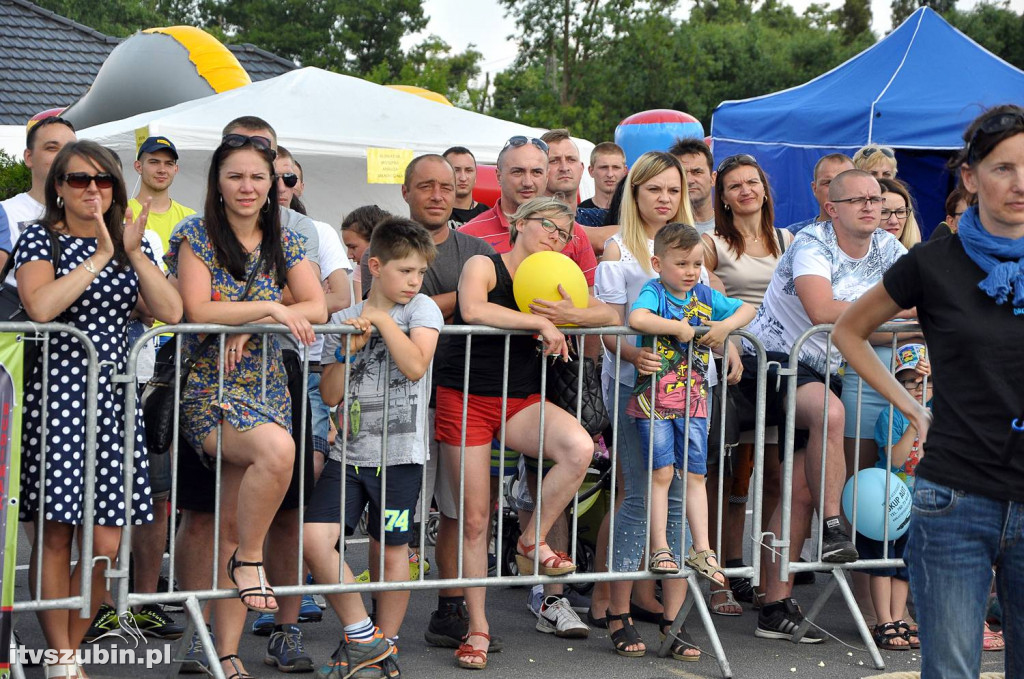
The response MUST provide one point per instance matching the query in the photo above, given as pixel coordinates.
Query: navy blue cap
(157, 144)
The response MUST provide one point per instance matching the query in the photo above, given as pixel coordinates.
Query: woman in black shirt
(968, 513)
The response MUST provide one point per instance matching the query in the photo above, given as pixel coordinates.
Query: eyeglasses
(861, 201)
(81, 180)
(521, 140)
(290, 179)
(911, 383)
(871, 150)
(237, 141)
(551, 227)
(900, 214)
(994, 125)
(738, 159)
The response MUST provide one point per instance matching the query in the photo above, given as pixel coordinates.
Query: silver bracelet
(90, 267)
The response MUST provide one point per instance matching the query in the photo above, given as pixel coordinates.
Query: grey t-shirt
(365, 398)
(705, 227)
(309, 237)
(443, 274)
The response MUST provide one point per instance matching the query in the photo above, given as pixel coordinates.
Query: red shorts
(483, 416)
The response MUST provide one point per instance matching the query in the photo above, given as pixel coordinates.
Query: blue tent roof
(916, 89)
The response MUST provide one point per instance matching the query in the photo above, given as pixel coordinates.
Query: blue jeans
(321, 415)
(955, 538)
(631, 519)
(670, 443)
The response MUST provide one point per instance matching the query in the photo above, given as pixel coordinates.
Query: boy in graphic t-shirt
(669, 307)
(392, 363)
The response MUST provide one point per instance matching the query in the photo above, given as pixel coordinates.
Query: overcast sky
(482, 22)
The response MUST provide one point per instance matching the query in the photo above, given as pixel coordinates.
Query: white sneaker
(557, 617)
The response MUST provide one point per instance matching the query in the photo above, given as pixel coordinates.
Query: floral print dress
(245, 404)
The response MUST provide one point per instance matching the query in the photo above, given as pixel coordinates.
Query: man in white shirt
(43, 142)
(828, 266)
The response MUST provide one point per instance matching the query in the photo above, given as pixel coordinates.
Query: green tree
(995, 27)
(15, 178)
(855, 18)
(901, 9)
(431, 65)
(113, 17)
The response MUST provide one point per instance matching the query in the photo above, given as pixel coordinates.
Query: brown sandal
(466, 651)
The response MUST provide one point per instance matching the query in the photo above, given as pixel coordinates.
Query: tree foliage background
(582, 64)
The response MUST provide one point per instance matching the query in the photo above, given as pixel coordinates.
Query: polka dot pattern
(101, 312)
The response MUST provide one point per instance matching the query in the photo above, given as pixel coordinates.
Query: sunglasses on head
(995, 125)
(81, 180)
(868, 152)
(237, 141)
(521, 140)
(738, 159)
(290, 179)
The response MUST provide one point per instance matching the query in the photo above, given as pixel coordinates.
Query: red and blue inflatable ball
(655, 130)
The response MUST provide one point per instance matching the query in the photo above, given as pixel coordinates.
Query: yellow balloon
(539, 276)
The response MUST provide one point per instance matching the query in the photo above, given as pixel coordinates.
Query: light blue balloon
(871, 503)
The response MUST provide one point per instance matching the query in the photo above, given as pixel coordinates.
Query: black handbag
(563, 389)
(11, 308)
(158, 395)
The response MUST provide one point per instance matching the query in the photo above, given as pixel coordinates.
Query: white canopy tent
(328, 121)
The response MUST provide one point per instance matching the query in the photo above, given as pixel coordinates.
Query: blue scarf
(991, 254)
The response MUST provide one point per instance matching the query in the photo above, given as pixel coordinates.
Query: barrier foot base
(17, 671)
(839, 581)
(198, 625)
(694, 597)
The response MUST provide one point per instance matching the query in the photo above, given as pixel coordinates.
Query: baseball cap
(157, 144)
(909, 355)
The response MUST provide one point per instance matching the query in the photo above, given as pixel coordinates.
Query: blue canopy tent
(915, 90)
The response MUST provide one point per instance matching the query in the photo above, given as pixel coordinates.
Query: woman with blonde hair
(879, 160)
(898, 213)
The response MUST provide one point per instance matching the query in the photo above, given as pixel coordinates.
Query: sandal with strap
(681, 643)
(625, 637)
(466, 651)
(885, 637)
(549, 566)
(701, 563)
(263, 591)
(660, 557)
(240, 673)
(742, 590)
(992, 641)
(910, 633)
(721, 608)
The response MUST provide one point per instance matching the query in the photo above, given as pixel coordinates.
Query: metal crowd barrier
(782, 544)
(192, 599)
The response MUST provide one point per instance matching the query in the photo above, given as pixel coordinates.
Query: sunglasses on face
(878, 149)
(551, 227)
(81, 180)
(738, 159)
(237, 141)
(520, 140)
(994, 125)
(290, 179)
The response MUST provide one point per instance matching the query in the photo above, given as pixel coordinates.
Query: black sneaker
(105, 621)
(836, 546)
(448, 628)
(153, 622)
(780, 619)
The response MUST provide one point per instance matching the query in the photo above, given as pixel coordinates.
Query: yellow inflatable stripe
(422, 92)
(213, 61)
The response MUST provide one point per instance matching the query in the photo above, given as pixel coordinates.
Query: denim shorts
(670, 440)
(321, 416)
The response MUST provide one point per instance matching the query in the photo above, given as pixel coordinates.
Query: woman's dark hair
(986, 132)
(611, 218)
(363, 220)
(229, 251)
(724, 225)
(109, 163)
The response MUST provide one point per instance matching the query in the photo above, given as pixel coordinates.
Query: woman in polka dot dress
(105, 271)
